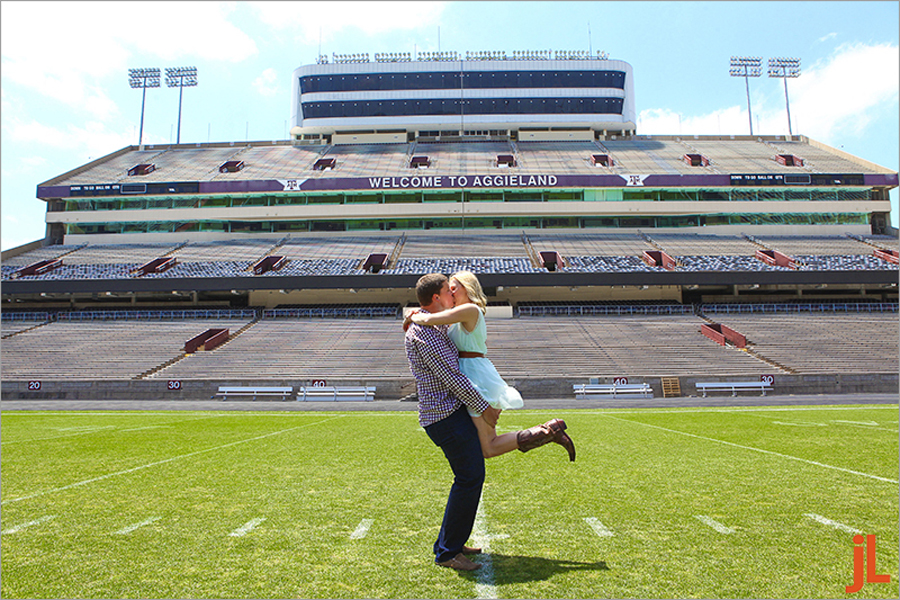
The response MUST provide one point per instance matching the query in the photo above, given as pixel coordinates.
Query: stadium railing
(797, 308)
(25, 316)
(588, 309)
(155, 315)
(338, 311)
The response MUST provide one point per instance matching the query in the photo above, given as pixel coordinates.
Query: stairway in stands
(182, 355)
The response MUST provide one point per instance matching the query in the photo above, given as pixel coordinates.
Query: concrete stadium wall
(395, 389)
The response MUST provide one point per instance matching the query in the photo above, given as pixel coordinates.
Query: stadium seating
(95, 350)
(448, 251)
(822, 343)
(304, 343)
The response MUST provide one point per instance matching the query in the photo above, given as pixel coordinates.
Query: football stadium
(619, 267)
(605, 254)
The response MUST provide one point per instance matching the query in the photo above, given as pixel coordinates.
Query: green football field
(661, 503)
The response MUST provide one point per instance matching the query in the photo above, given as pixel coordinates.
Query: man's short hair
(428, 286)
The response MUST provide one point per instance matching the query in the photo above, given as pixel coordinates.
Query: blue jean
(457, 437)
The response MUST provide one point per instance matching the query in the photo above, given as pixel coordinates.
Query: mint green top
(474, 341)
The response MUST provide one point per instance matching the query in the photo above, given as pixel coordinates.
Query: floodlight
(746, 66)
(785, 68)
(143, 78)
(181, 77)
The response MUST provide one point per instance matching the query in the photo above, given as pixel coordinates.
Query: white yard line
(831, 523)
(130, 528)
(715, 524)
(147, 427)
(599, 528)
(485, 587)
(770, 452)
(362, 529)
(247, 527)
(161, 462)
(18, 528)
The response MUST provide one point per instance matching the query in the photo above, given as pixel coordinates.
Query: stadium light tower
(746, 67)
(785, 68)
(143, 78)
(181, 77)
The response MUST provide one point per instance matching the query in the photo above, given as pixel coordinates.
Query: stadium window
(719, 195)
(324, 199)
(479, 196)
(442, 196)
(563, 196)
(363, 198)
(403, 198)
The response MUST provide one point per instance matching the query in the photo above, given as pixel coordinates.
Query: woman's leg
(491, 443)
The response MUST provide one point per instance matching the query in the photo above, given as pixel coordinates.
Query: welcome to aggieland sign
(478, 182)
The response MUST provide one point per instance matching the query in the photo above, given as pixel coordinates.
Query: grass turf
(265, 505)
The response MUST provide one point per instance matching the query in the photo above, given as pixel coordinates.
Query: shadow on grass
(523, 569)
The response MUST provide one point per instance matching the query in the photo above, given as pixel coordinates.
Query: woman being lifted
(469, 332)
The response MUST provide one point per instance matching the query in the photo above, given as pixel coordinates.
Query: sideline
(396, 405)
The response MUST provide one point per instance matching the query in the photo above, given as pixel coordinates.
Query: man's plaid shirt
(434, 362)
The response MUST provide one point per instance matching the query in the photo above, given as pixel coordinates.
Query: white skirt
(484, 376)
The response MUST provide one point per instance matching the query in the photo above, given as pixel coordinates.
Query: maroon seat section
(551, 260)
(325, 163)
(38, 268)
(375, 262)
(207, 340)
(775, 258)
(417, 162)
(269, 263)
(888, 255)
(720, 333)
(157, 265)
(658, 258)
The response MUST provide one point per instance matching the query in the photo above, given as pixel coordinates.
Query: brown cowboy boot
(551, 431)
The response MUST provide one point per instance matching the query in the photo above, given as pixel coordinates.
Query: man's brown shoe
(460, 563)
(470, 550)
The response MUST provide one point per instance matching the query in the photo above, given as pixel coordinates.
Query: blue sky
(66, 98)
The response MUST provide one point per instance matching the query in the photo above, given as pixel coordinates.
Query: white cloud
(267, 83)
(93, 139)
(34, 161)
(838, 96)
(309, 18)
(847, 92)
(662, 121)
(825, 38)
(62, 49)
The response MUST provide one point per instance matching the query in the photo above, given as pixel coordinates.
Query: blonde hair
(468, 280)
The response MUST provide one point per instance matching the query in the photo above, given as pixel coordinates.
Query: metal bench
(734, 386)
(635, 390)
(336, 393)
(226, 391)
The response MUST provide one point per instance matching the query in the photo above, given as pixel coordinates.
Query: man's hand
(408, 320)
(491, 415)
